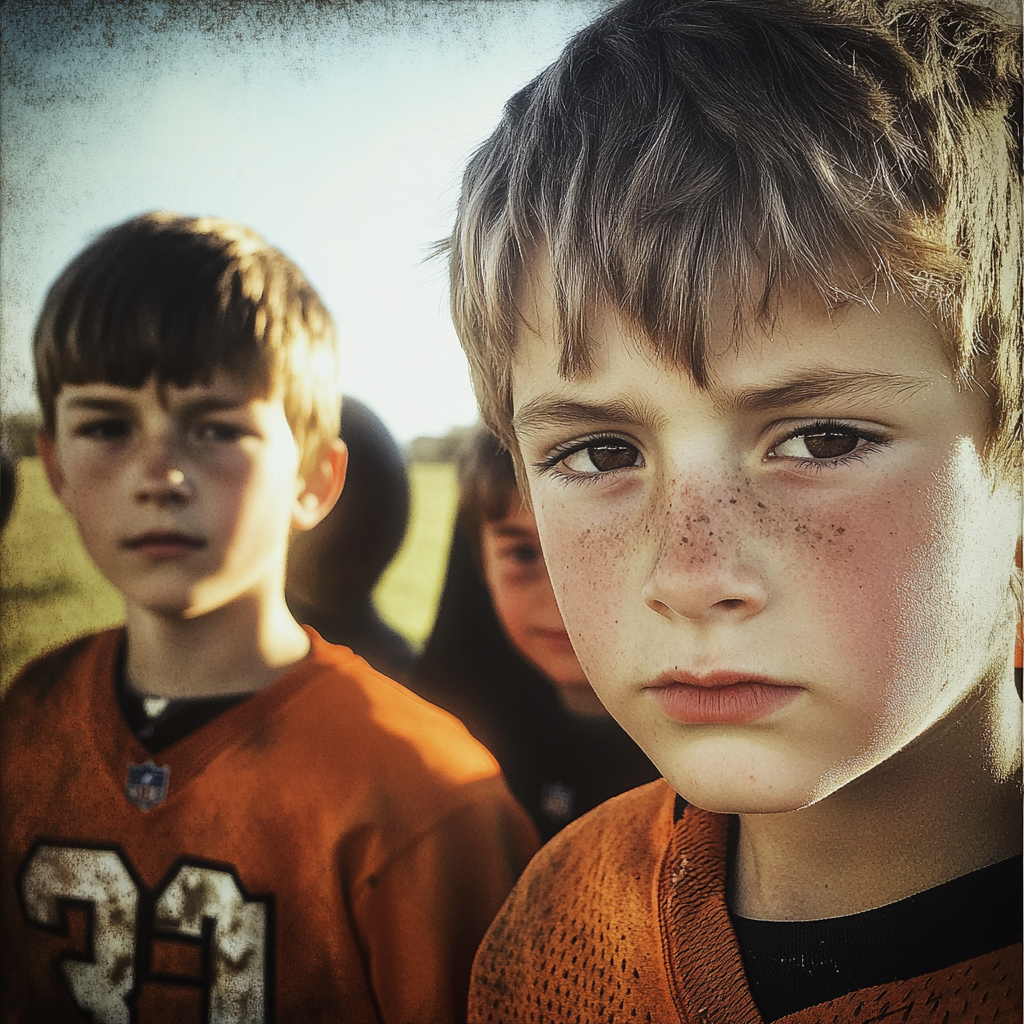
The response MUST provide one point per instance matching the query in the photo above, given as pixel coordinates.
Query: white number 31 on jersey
(239, 955)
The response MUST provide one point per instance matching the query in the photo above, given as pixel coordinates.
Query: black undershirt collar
(791, 965)
(176, 720)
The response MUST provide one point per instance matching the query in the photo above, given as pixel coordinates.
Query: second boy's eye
(216, 431)
(106, 429)
(524, 554)
(603, 456)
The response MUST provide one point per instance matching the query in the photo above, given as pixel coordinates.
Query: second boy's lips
(720, 697)
(163, 542)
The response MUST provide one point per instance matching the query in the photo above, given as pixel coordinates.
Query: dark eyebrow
(813, 385)
(546, 410)
(804, 386)
(197, 408)
(801, 387)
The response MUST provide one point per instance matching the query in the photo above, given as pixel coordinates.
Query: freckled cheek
(594, 568)
(843, 565)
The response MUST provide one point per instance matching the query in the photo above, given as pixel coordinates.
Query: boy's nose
(160, 477)
(701, 571)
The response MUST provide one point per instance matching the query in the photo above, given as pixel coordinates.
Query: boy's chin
(725, 800)
(753, 788)
(182, 604)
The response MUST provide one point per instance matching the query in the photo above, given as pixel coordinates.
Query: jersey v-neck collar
(186, 758)
(158, 722)
(792, 965)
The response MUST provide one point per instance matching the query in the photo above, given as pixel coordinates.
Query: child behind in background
(499, 656)
(212, 814)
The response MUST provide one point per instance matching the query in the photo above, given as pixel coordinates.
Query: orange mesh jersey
(622, 918)
(331, 848)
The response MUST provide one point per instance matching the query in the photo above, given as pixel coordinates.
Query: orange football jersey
(622, 917)
(331, 848)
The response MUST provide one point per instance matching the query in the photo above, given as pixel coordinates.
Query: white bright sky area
(338, 131)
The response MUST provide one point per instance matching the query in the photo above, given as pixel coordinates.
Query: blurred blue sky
(339, 131)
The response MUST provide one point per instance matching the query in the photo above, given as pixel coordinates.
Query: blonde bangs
(671, 156)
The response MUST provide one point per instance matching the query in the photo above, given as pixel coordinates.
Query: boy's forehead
(535, 288)
(733, 324)
(537, 352)
(810, 350)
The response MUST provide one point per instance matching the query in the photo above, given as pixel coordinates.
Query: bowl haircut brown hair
(679, 151)
(178, 298)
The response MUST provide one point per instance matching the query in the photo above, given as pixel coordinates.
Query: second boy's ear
(321, 487)
(47, 448)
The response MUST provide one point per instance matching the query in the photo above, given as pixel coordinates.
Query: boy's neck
(236, 649)
(946, 805)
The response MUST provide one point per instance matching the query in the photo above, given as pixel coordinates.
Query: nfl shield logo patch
(557, 800)
(147, 784)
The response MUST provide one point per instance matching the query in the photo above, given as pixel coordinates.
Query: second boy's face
(777, 584)
(183, 497)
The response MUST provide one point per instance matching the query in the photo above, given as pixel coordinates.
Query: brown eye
(819, 445)
(603, 456)
(830, 446)
(615, 455)
(108, 429)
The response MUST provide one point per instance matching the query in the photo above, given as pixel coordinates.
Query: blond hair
(683, 149)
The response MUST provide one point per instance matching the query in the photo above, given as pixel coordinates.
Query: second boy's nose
(159, 477)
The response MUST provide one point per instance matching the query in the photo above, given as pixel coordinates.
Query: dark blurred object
(8, 482)
(557, 765)
(333, 568)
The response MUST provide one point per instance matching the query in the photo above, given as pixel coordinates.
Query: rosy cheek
(831, 566)
(591, 565)
(838, 564)
(851, 574)
(849, 553)
(902, 597)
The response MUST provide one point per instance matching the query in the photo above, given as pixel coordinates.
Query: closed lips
(164, 537)
(720, 697)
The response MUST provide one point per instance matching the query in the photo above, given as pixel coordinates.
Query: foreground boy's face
(183, 496)
(776, 585)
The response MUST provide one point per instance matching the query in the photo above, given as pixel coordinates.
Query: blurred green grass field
(50, 591)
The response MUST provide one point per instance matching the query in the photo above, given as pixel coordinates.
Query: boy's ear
(321, 486)
(47, 449)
